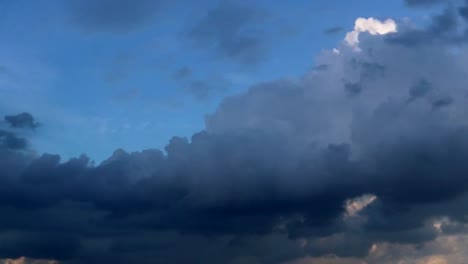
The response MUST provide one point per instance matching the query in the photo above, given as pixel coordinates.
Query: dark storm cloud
(274, 169)
(232, 30)
(23, 120)
(113, 15)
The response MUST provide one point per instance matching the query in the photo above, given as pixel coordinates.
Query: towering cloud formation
(365, 159)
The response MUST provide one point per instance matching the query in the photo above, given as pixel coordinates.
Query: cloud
(444, 27)
(182, 73)
(355, 205)
(23, 120)
(423, 3)
(112, 15)
(23, 260)
(205, 89)
(463, 11)
(234, 31)
(202, 89)
(333, 30)
(11, 141)
(372, 26)
(272, 175)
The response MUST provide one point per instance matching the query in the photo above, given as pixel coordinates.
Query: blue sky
(134, 82)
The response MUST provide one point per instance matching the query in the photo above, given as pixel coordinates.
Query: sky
(219, 131)
(132, 75)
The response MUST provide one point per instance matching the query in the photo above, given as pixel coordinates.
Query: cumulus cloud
(379, 136)
(372, 26)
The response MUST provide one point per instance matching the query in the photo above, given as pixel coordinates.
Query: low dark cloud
(234, 30)
(113, 15)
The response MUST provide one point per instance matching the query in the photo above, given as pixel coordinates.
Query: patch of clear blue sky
(99, 91)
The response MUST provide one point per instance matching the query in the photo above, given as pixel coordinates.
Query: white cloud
(355, 205)
(23, 260)
(372, 26)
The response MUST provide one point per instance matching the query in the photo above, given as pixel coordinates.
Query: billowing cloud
(379, 136)
(372, 26)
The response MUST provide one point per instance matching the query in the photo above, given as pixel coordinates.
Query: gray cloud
(182, 73)
(201, 89)
(444, 27)
(423, 3)
(233, 31)
(23, 120)
(463, 11)
(420, 89)
(353, 88)
(113, 15)
(9, 140)
(206, 89)
(333, 30)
